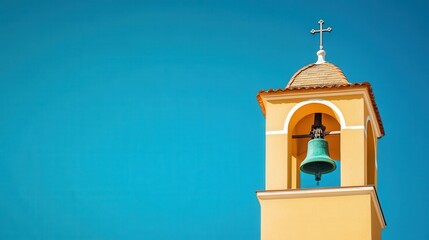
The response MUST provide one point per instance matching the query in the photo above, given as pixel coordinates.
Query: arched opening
(371, 174)
(300, 124)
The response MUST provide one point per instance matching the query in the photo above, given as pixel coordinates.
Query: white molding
(312, 192)
(326, 192)
(356, 127)
(283, 132)
(279, 132)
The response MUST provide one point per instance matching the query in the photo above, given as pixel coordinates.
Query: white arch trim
(310, 101)
(374, 138)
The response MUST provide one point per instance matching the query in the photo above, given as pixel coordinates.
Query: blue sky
(138, 119)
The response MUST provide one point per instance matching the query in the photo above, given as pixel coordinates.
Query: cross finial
(321, 32)
(321, 53)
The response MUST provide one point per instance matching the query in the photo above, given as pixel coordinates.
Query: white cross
(321, 32)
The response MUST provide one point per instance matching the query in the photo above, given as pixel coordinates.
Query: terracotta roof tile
(317, 74)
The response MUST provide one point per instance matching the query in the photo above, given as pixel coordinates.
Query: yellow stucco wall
(276, 169)
(353, 166)
(340, 217)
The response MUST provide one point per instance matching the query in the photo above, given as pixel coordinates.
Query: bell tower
(317, 118)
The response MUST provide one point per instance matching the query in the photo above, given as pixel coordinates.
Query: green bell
(318, 161)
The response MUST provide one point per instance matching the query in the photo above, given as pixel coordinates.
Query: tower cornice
(326, 192)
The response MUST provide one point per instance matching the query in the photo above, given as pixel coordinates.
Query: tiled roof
(325, 74)
(317, 87)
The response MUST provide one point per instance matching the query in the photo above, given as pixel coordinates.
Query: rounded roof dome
(314, 75)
